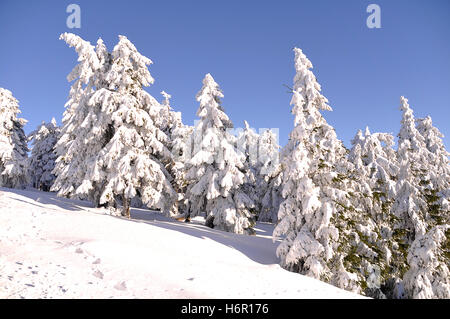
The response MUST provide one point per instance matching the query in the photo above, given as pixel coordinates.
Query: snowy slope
(58, 248)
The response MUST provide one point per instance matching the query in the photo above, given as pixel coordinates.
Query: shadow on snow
(259, 248)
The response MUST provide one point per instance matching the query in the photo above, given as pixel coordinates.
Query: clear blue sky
(247, 47)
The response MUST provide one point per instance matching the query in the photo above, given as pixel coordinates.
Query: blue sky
(247, 47)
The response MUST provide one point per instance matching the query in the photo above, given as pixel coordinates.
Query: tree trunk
(126, 206)
(209, 221)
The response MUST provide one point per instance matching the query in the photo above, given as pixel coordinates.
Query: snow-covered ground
(52, 247)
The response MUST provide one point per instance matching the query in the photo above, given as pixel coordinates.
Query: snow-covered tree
(271, 174)
(180, 147)
(410, 206)
(262, 170)
(179, 138)
(437, 186)
(375, 172)
(13, 143)
(214, 173)
(43, 156)
(74, 145)
(429, 275)
(114, 130)
(315, 218)
(170, 120)
(422, 207)
(133, 160)
(375, 159)
(247, 143)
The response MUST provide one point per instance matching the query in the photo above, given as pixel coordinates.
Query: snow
(53, 247)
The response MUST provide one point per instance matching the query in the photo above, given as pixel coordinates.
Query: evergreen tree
(425, 207)
(316, 215)
(428, 275)
(437, 186)
(13, 143)
(247, 143)
(271, 177)
(73, 143)
(116, 129)
(409, 207)
(135, 154)
(43, 156)
(375, 172)
(181, 152)
(214, 173)
(179, 138)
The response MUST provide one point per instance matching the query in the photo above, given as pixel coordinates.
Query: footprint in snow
(121, 286)
(98, 274)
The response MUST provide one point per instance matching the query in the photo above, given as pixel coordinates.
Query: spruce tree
(271, 177)
(181, 153)
(73, 143)
(247, 143)
(437, 186)
(316, 214)
(214, 172)
(428, 275)
(409, 207)
(426, 214)
(178, 143)
(115, 132)
(375, 171)
(43, 156)
(13, 143)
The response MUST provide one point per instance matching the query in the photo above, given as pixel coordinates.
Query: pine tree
(409, 207)
(115, 127)
(43, 156)
(73, 144)
(181, 153)
(375, 171)
(179, 137)
(170, 120)
(316, 214)
(247, 143)
(214, 173)
(429, 275)
(134, 157)
(271, 175)
(425, 181)
(13, 143)
(437, 186)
